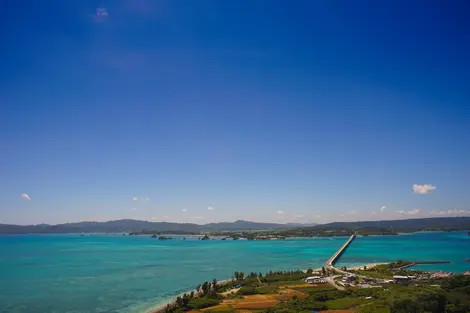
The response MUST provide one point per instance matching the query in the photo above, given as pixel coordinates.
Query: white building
(315, 280)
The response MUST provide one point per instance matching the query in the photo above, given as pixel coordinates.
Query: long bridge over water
(331, 261)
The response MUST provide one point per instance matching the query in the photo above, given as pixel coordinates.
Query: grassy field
(345, 303)
(374, 274)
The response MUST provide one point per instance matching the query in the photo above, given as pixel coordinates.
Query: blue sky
(286, 111)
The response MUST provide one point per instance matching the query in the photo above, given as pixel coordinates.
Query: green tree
(186, 299)
(405, 306)
(205, 288)
(179, 301)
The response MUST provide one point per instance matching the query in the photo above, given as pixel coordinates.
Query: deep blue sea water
(106, 273)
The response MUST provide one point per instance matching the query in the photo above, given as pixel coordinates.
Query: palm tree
(214, 284)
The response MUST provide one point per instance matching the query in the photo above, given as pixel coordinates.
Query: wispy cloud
(184, 210)
(280, 212)
(133, 209)
(449, 212)
(100, 15)
(210, 208)
(25, 196)
(146, 199)
(413, 212)
(299, 215)
(198, 217)
(409, 212)
(383, 208)
(423, 189)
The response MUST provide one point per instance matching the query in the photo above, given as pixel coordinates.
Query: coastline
(161, 308)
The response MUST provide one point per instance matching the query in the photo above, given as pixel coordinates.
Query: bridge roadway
(331, 261)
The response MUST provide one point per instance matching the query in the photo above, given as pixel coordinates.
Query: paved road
(331, 280)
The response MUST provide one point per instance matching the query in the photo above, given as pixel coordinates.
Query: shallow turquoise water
(453, 247)
(106, 273)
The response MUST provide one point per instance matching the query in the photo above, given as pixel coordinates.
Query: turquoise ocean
(114, 273)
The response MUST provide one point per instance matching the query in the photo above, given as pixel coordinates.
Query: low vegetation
(387, 271)
(286, 292)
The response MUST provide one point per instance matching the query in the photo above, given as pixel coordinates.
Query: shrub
(247, 290)
(201, 303)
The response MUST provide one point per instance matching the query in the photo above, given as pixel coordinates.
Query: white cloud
(413, 212)
(383, 208)
(211, 208)
(198, 217)
(100, 16)
(423, 189)
(141, 198)
(373, 213)
(184, 210)
(409, 212)
(134, 209)
(280, 212)
(449, 212)
(25, 196)
(299, 215)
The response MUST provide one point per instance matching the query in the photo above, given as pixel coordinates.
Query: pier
(418, 263)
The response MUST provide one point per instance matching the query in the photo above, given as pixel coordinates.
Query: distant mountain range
(441, 223)
(129, 225)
